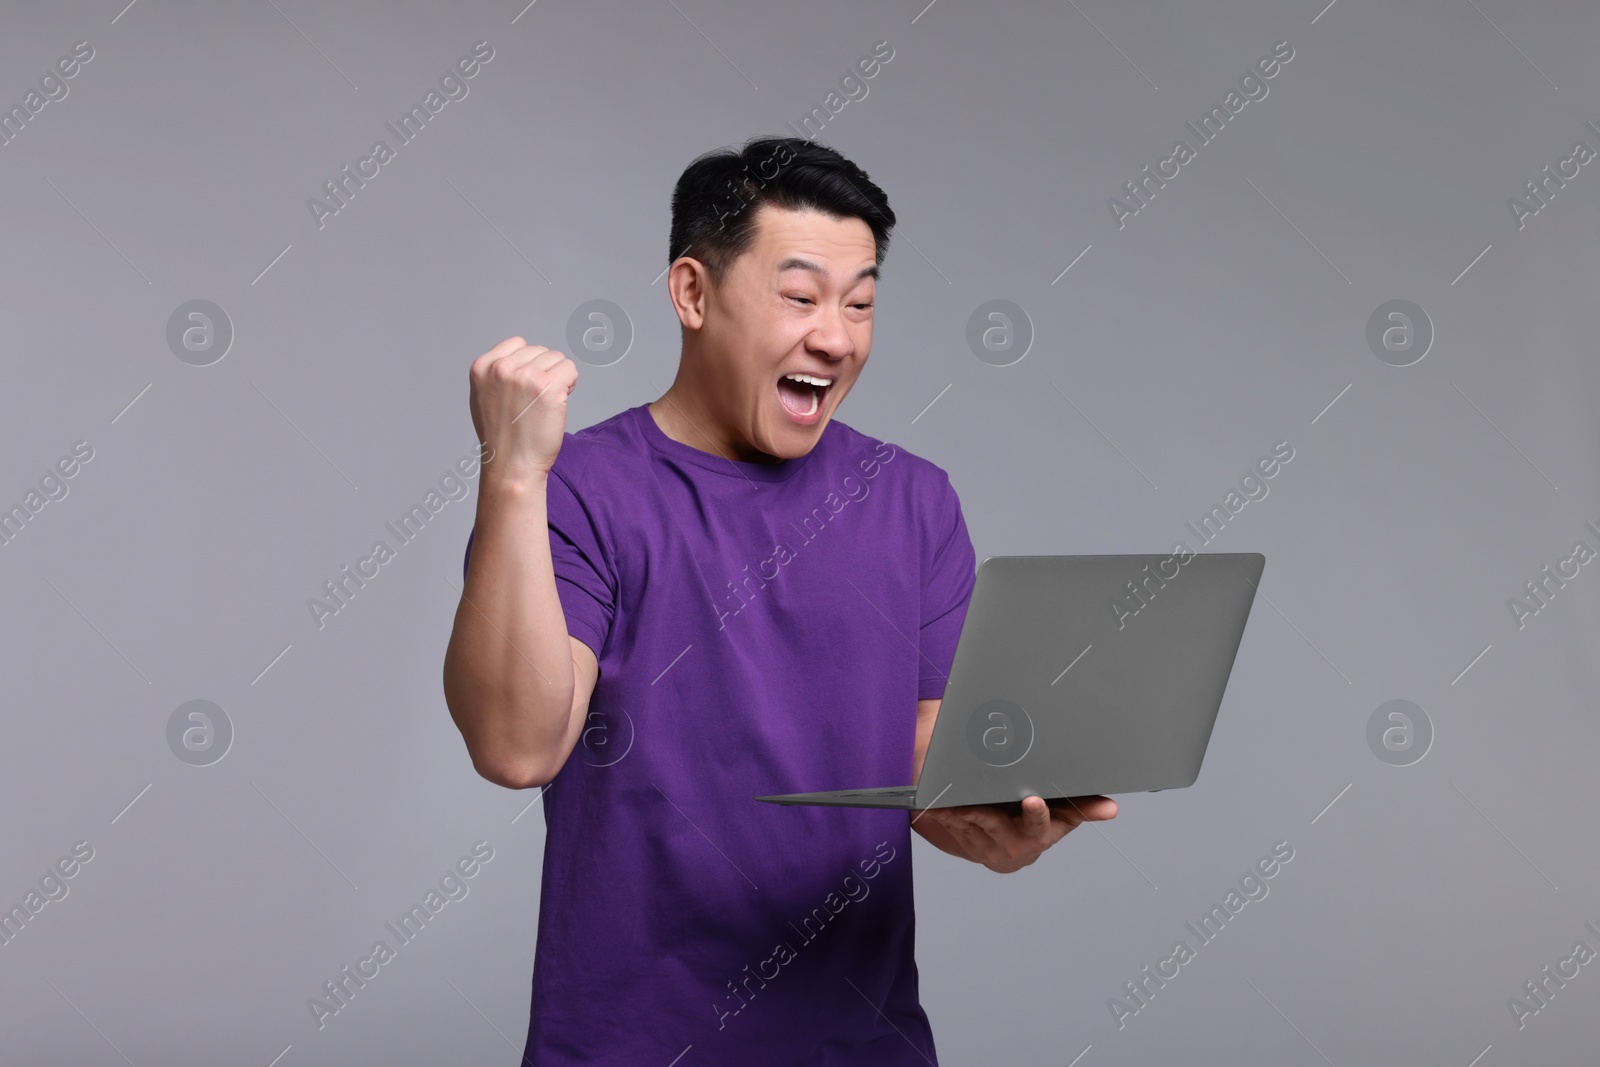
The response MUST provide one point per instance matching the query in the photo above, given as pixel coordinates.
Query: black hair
(714, 203)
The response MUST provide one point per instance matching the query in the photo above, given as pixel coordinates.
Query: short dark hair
(714, 203)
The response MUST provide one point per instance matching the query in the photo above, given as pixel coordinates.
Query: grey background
(1226, 316)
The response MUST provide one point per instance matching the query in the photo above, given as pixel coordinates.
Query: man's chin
(792, 441)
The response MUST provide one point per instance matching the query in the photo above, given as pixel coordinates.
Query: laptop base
(893, 796)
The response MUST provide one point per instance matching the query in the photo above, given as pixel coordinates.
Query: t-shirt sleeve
(949, 575)
(585, 581)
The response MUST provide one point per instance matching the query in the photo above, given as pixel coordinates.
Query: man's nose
(829, 335)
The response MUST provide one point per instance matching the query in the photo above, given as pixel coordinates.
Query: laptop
(1078, 676)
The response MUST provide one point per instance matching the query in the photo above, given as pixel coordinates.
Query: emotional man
(722, 593)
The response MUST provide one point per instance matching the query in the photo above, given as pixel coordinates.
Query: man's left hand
(1006, 838)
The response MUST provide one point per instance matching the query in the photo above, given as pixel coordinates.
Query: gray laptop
(1079, 676)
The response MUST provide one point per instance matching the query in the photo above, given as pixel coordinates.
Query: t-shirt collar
(733, 468)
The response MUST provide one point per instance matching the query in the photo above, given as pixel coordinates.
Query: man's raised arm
(517, 685)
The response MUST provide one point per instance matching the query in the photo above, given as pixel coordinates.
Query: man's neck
(688, 423)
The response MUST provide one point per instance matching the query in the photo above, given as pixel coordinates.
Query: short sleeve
(949, 575)
(585, 581)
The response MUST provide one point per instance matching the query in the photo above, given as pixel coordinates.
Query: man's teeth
(818, 384)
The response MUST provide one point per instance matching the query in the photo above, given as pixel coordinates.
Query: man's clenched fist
(519, 406)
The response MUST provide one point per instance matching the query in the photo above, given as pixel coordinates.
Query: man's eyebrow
(796, 263)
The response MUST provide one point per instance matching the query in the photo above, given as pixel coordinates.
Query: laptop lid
(1084, 675)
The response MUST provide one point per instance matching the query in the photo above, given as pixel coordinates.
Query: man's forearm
(932, 831)
(508, 672)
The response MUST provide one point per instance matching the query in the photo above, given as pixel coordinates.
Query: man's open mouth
(802, 394)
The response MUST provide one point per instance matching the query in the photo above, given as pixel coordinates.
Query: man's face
(798, 300)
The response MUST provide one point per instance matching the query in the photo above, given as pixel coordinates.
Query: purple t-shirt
(760, 629)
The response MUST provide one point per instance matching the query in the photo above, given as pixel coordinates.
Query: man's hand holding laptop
(1008, 837)
(1003, 837)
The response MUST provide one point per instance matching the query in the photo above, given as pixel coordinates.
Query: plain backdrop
(1164, 356)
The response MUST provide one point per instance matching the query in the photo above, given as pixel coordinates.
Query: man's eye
(808, 300)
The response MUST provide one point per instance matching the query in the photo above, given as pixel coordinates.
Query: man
(723, 593)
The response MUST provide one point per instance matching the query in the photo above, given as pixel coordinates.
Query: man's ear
(687, 282)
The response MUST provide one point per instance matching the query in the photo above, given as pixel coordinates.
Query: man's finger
(1071, 813)
(1035, 816)
(955, 820)
(970, 826)
(986, 822)
(1092, 808)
